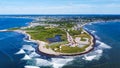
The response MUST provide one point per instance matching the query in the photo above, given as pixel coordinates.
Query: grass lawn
(66, 49)
(42, 33)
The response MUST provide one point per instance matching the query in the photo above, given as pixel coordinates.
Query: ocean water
(17, 52)
(6, 23)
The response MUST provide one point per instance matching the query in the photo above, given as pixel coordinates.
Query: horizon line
(58, 14)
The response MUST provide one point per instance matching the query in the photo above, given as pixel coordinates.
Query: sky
(59, 6)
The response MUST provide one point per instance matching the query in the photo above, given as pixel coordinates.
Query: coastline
(91, 47)
(49, 52)
(45, 51)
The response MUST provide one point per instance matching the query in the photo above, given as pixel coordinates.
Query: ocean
(18, 52)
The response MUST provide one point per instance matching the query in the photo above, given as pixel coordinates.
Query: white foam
(42, 62)
(103, 45)
(59, 62)
(26, 57)
(28, 66)
(34, 54)
(89, 58)
(27, 40)
(99, 51)
(28, 47)
(55, 62)
(93, 32)
(95, 55)
(20, 52)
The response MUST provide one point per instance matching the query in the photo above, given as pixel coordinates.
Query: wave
(21, 51)
(95, 55)
(28, 48)
(42, 62)
(54, 62)
(34, 55)
(97, 52)
(26, 57)
(103, 45)
(29, 66)
(60, 62)
(37, 61)
(25, 49)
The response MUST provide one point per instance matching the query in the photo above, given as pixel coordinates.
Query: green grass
(42, 33)
(67, 49)
(75, 32)
(56, 45)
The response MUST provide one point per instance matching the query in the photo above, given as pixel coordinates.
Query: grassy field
(66, 49)
(42, 33)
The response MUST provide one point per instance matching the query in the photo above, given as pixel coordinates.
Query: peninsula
(59, 38)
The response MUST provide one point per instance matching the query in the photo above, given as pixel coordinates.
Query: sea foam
(102, 45)
(26, 57)
(95, 55)
(28, 47)
(97, 52)
(59, 62)
(21, 51)
(29, 66)
(42, 62)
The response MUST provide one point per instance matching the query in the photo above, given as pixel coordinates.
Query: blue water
(12, 42)
(16, 52)
(108, 33)
(6, 23)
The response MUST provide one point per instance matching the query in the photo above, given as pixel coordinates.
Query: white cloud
(63, 9)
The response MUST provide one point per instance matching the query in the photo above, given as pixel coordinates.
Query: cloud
(71, 8)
